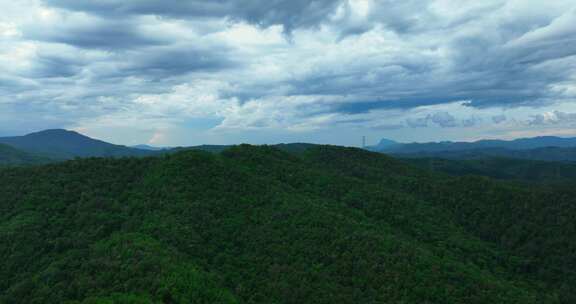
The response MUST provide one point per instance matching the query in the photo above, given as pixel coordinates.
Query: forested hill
(262, 225)
(12, 156)
(502, 168)
(550, 154)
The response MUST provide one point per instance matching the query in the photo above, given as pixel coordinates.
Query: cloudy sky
(172, 72)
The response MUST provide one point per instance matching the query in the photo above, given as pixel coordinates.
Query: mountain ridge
(61, 144)
(545, 148)
(515, 144)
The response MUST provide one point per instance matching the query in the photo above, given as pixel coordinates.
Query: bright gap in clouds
(326, 71)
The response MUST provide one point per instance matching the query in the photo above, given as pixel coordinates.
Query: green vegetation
(550, 154)
(502, 168)
(263, 225)
(12, 156)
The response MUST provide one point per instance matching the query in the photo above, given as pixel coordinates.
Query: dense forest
(10, 156)
(502, 168)
(319, 224)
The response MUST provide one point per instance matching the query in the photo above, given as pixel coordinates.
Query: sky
(172, 72)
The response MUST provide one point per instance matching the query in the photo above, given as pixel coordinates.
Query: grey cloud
(421, 122)
(565, 117)
(289, 13)
(471, 122)
(55, 65)
(180, 59)
(444, 119)
(517, 70)
(537, 120)
(480, 72)
(499, 118)
(387, 127)
(12, 84)
(552, 118)
(481, 69)
(411, 17)
(507, 69)
(353, 121)
(19, 118)
(441, 119)
(95, 34)
(418, 59)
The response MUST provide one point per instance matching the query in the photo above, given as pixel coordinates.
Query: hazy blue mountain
(63, 144)
(150, 148)
(517, 144)
(539, 148)
(385, 144)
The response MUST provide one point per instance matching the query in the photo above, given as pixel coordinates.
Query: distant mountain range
(150, 148)
(57, 145)
(62, 144)
(548, 148)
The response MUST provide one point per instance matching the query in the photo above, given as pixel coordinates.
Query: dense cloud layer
(262, 70)
(290, 14)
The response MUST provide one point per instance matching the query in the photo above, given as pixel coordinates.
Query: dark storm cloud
(485, 71)
(289, 13)
(363, 106)
(481, 71)
(53, 65)
(513, 67)
(95, 33)
(492, 75)
(180, 59)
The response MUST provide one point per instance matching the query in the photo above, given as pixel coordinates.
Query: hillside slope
(261, 225)
(501, 168)
(12, 156)
(558, 154)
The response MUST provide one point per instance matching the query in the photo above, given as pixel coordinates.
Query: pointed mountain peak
(387, 142)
